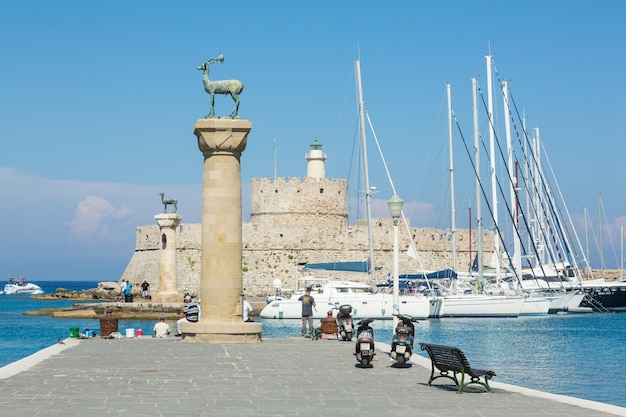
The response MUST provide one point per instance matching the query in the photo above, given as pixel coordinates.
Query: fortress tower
(294, 202)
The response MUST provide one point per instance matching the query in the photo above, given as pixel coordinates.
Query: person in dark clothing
(308, 303)
(145, 289)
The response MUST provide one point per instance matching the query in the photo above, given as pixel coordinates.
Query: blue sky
(99, 100)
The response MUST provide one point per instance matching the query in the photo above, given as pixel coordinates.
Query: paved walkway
(277, 377)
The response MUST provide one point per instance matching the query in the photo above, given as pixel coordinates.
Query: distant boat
(20, 286)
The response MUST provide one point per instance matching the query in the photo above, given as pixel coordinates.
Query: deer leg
(212, 110)
(236, 109)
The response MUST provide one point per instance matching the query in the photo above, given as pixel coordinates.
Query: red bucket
(139, 332)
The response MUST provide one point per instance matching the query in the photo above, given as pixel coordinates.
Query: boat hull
(605, 295)
(536, 306)
(376, 307)
(482, 306)
(29, 289)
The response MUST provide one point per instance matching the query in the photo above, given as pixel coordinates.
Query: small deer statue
(170, 202)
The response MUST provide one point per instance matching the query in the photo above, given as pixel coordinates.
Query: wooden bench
(450, 361)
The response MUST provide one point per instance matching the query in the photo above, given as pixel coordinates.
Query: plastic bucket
(130, 332)
(89, 333)
(73, 331)
(139, 332)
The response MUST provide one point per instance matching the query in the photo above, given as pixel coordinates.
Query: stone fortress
(295, 221)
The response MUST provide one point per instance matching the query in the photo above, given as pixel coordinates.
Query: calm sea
(581, 355)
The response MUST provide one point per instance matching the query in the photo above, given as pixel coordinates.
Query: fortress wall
(279, 251)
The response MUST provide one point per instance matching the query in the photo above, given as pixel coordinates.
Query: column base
(221, 332)
(167, 297)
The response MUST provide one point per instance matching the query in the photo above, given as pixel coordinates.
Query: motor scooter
(364, 350)
(345, 323)
(402, 340)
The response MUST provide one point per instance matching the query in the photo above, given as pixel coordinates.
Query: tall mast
(479, 220)
(539, 223)
(368, 191)
(452, 203)
(621, 267)
(588, 269)
(492, 167)
(600, 237)
(513, 182)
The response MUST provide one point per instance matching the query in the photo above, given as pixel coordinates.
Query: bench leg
(474, 380)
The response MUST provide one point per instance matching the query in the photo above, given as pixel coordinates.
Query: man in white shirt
(161, 329)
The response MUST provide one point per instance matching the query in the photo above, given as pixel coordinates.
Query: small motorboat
(20, 286)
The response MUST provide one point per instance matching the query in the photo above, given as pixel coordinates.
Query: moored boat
(330, 294)
(602, 295)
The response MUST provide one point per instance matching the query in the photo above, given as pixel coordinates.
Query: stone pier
(168, 293)
(221, 142)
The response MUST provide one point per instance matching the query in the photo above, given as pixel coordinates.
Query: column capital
(222, 135)
(168, 220)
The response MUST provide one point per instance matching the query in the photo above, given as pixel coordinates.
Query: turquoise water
(579, 355)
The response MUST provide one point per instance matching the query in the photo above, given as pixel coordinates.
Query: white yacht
(330, 294)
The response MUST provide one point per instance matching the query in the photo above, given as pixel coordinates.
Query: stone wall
(294, 201)
(272, 250)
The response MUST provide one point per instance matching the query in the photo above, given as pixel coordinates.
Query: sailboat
(462, 299)
(362, 297)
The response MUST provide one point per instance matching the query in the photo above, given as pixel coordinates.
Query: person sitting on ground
(190, 314)
(161, 329)
(247, 310)
(329, 326)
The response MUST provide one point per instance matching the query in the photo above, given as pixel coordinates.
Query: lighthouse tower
(315, 161)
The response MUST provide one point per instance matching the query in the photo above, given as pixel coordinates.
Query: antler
(218, 60)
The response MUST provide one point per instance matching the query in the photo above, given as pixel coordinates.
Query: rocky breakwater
(96, 302)
(106, 291)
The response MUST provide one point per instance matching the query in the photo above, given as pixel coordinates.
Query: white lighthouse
(315, 161)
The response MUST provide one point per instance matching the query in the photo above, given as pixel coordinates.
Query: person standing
(128, 295)
(247, 310)
(161, 329)
(308, 304)
(145, 289)
(123, 289)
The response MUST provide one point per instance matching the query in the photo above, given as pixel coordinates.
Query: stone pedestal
(221, 142)
(168, 292)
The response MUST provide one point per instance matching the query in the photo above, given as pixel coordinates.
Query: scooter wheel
(400, 361)
(364, 363)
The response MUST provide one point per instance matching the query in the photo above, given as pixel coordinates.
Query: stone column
(221, 142)
(168, 291)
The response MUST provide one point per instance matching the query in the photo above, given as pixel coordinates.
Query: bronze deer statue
(232, 87)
